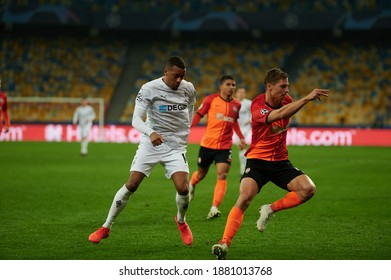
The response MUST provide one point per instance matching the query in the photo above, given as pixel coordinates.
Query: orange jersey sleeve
(268, 140)
(222, 116)
(4, 110)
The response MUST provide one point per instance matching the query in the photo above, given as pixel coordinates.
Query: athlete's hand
(242, 144)
(317, 93)
(156, 139)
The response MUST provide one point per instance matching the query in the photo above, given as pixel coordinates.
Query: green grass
(51, 199)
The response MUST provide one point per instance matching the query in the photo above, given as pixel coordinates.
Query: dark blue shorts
(278, 172)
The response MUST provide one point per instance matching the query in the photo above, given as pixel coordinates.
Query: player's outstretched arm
(289, 110)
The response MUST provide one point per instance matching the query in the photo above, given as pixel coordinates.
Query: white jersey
(169, 112)
(84, 115)
(245, 117)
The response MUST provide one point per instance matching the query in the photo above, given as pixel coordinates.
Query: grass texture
(51, 199)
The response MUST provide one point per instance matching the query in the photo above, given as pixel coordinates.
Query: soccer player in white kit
(168, 104)
(84, 116)
(244, 123)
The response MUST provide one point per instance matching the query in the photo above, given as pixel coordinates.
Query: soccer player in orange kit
(267, 157)
(223, 113)
(4, 111)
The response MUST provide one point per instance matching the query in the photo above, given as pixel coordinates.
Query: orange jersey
(222, 116)
(3, 110)
(268, 140)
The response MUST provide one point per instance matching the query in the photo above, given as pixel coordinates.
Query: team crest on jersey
(235, 109)
(264, 111)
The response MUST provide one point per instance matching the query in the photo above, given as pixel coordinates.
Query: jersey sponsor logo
(220, 116)
(174, 107)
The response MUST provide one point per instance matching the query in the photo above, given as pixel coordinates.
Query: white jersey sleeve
(75, 116)
(138, 123)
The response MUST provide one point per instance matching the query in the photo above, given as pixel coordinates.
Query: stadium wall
(127, 134)
(105, 18)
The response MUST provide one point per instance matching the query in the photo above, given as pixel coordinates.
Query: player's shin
(120, 200)
(182, 203)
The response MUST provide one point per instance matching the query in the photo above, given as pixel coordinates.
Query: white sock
(120, 200)
(182, 203)
(84, 146)
(242, 161)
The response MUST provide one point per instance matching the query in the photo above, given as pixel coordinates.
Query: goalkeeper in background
(84, 116)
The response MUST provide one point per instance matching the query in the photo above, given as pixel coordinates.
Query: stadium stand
(358, 74)
(73, 65)
(209, 60)
(65, 66)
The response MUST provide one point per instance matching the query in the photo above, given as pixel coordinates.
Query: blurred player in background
(223, 113)
(168, 104)
(4, 112)
(244, 123)
(84, 116)
(267, 157)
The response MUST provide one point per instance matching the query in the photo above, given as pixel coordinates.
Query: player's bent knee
(244, 201)
(184, 190)
(131, 186)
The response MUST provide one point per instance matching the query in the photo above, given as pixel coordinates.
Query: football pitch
(51, 199)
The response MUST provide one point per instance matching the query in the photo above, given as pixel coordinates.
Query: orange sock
(234, 220)
(194, 178)
(288, 201)
(219, 192)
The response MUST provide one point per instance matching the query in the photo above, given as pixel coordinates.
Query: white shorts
(147, 156)
(85, 130)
